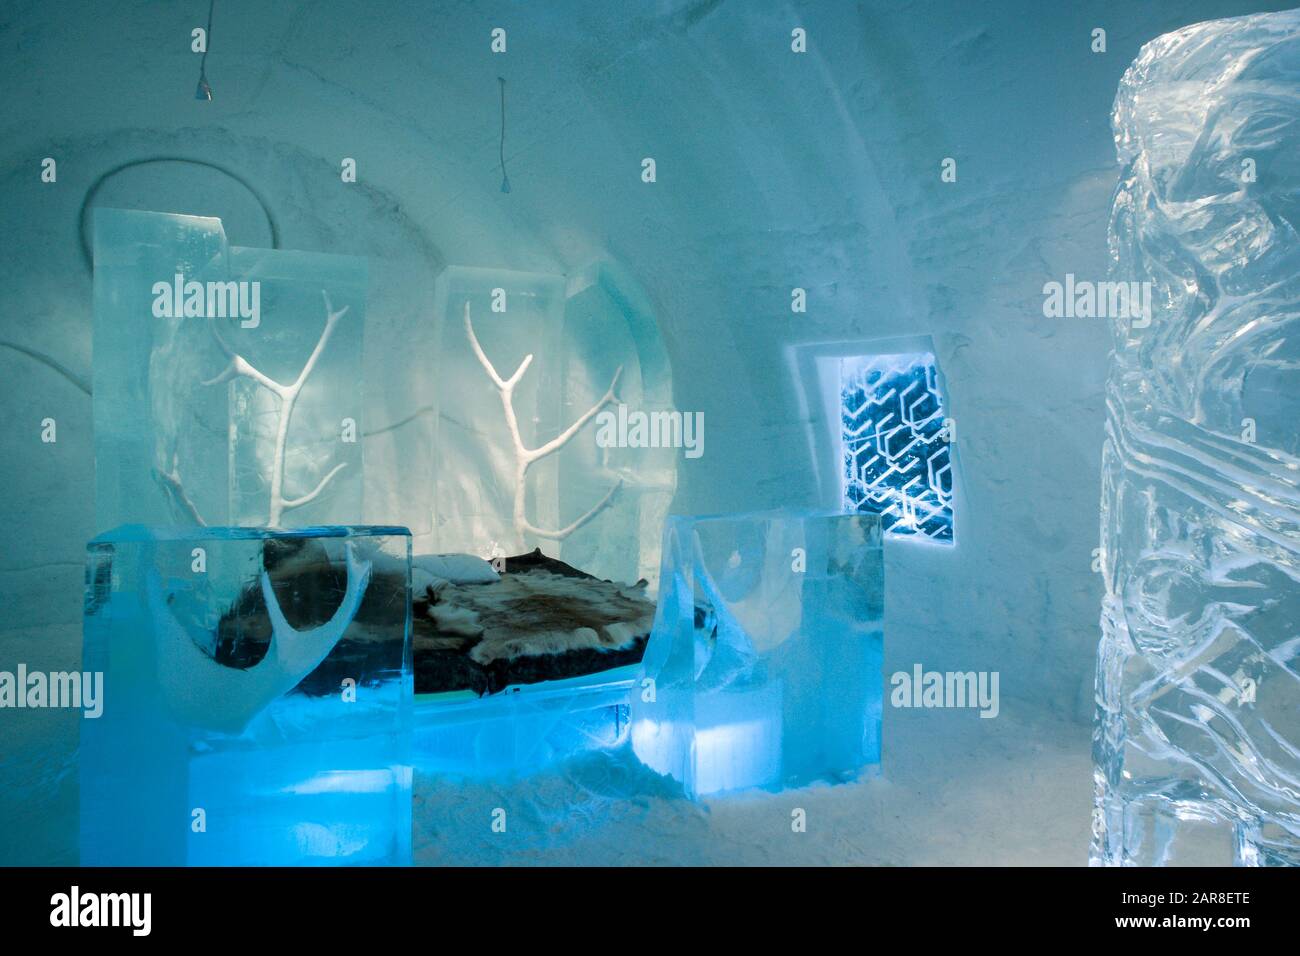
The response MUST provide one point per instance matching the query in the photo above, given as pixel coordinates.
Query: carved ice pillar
(1197, 742)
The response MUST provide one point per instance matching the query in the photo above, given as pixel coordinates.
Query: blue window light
(895, 441)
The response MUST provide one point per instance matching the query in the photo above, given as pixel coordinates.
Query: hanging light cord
(207, 45)
(505, 180)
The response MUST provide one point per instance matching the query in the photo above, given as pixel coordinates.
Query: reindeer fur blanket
(543, 620)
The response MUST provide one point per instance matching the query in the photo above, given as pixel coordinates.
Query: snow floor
(955, 790)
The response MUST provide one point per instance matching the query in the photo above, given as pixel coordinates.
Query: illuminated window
(896, 443)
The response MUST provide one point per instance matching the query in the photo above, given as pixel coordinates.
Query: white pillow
(456, 568)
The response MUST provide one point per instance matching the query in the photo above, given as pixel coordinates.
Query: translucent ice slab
(257, 697)
(227, 385)
(579, 349)
(764, 667)
(475, 505)
(1197, 741)
(524, 728)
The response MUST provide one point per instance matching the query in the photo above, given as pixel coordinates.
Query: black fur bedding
(543, 620)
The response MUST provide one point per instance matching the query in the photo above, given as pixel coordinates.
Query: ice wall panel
(607, 326)
(590, 347)
(227, 381)
(514, 315)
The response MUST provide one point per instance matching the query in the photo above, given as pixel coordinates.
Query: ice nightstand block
(764, 667)
(257, 697)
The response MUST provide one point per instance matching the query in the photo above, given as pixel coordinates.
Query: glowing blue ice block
(764, 667)
(227, 380)
(257, 697)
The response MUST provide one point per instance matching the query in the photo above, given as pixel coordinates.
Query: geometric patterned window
(896, 452)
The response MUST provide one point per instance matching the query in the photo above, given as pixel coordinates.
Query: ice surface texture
(524, 730)
(209, 415)
(764, 667)
(897, 460)
(257, 697)
(524, 362)
(1197, 741)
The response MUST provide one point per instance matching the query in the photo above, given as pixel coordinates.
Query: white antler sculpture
(205, 693)
(288, 395)
(524, 456)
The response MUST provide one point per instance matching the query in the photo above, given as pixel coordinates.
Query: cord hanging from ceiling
(204, 91)
(505, 180)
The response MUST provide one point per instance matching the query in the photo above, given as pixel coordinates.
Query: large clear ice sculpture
(1197, 741)
(227, 380)
(257, 697)
(764, 666)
